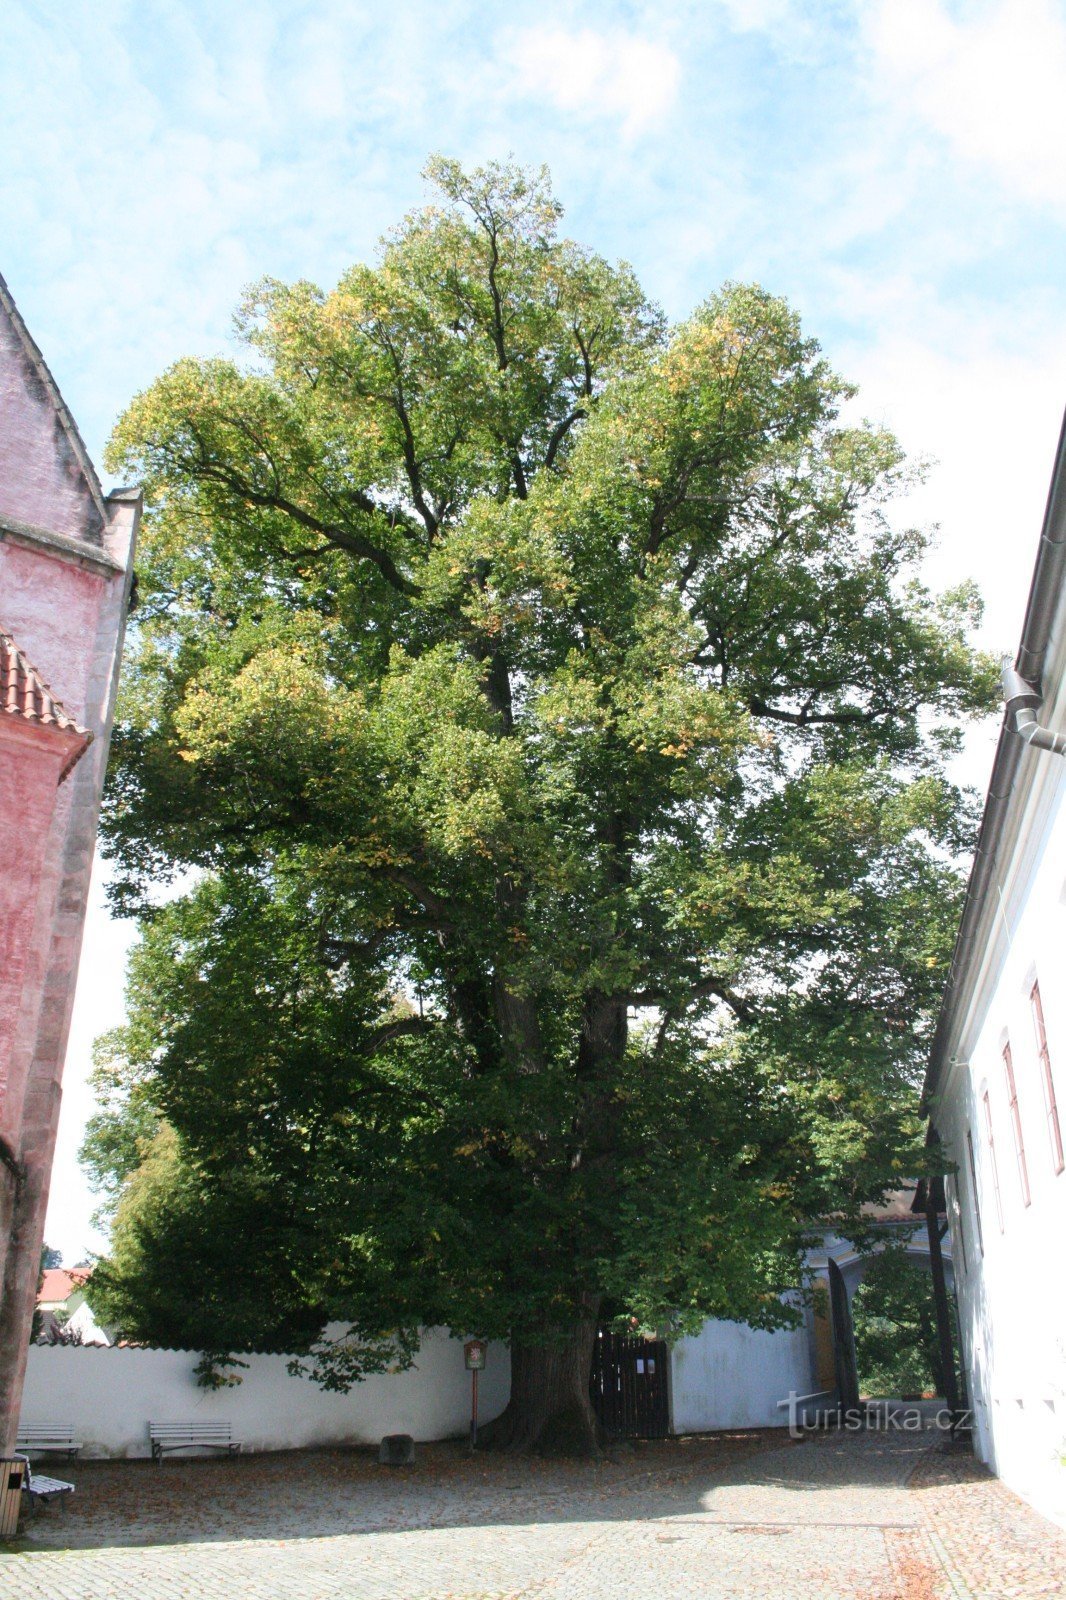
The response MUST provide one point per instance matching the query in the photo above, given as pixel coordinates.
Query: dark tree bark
(931, 1348)
(550, 1408)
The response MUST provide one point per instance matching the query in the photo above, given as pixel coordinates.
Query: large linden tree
(545, 729)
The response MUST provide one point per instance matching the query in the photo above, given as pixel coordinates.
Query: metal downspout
(1022, 700)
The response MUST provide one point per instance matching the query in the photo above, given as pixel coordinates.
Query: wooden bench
(40, 1489)
(167, 1436)
(38, 1441)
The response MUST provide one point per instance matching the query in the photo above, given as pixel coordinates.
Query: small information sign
(474, 1352)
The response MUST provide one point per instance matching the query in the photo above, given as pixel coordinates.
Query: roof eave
(1045, 595)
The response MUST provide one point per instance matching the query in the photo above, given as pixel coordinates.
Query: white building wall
(1010, 1279)
(110, 1396)
(82, 1323)
(732, 1376)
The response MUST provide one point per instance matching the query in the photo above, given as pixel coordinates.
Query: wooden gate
(628, 1386)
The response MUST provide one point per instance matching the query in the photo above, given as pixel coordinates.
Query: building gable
(46, 477)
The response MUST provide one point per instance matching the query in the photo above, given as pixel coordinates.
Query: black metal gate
(847, 1370)
(628, 1386)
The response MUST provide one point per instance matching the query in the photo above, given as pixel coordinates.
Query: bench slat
(168, 1436)
(59, 1439)
(37, 1487)
(191, 1433)
(39, 1484)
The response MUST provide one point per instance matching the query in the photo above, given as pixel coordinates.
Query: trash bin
(12, 1476)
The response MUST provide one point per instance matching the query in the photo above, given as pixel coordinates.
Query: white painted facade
(1009, 1274)
(1008, 1227)
(109, 1396)
(733, 1376)
(84, 1326)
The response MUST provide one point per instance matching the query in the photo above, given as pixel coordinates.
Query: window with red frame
(1016, 1124)
(993, 1165)
(1050, 1103)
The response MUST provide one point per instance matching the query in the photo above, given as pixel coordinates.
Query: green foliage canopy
(553, 725)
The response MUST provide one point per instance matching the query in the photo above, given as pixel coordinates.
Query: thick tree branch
(559, 433)
(706, 989)
(410, 454)
(401, 1028)
(342, 538)
(497, 299)
(807, 717)
(437, 907)
(585, 346)
(664, 508)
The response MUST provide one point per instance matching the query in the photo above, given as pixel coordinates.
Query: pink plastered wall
(30, 763)
(42, 482)
(51, 608)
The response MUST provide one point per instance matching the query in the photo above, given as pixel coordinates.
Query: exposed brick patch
(916, 1573)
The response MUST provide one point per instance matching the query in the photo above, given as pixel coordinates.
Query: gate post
(844, 1359)
(934, 1188)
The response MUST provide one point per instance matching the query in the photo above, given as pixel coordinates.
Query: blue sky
(897, 167)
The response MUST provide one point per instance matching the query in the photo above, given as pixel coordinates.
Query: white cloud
(323, 69)
(761, 16)
(592, 75)
(976, 389)
(991, 83)
(750, 16)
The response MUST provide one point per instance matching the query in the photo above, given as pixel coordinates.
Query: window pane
(973, 1187)
(992, 1164)
(1050, 1103)
(1016, 1124)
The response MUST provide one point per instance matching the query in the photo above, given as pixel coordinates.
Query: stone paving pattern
(991, 1542)
(889, 1516)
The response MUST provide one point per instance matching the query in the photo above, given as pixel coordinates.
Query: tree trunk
(550, 1408)
(931, 1350)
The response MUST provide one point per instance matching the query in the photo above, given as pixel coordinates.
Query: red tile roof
(24, 693)
(59, 1283)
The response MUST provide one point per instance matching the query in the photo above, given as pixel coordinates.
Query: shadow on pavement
(752, 1478)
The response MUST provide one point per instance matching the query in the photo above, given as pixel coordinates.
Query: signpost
(474, 1353)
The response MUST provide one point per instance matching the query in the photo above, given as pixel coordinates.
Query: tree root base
(567, 1434)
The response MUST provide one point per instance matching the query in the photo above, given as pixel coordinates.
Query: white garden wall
(732, 1376)
(728, 1376)
(110, 1395)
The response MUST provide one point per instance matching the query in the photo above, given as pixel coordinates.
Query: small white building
(64, 1314)
(996, 1088)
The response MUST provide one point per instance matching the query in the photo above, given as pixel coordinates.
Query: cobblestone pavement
(832, 1518)
(988, 1540)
